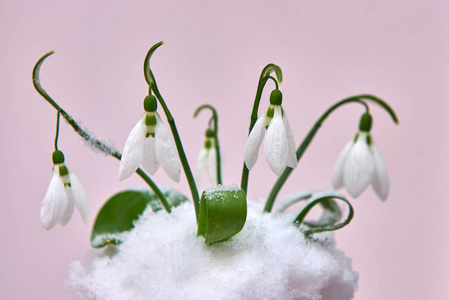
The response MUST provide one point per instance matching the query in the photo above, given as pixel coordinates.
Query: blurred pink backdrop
(213, 53)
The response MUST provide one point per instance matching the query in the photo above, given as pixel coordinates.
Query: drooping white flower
(279, 143)
(63, 194)
(150, 144)
(207, 161)
(360, 164)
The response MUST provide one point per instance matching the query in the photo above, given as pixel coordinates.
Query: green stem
(185, 164)
(214, 120)
(264, 76)
(58, 114)
(96, 143)
(330, 204)
(302, 148)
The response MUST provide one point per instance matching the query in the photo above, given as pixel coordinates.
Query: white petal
(201, 166)
(70, 207)
(149, 160)
(337, 175)
(255, 139)
(80, 197)
(359, 168)
(166, 152)
(276, 143)
(381, 183)
(55, 201)
(212, 166)
(292, 162)
(133, 151)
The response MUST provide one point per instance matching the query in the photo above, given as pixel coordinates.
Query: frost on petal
(201, 166)
(254, 141)
(359, 168)
(55, 202)
(337, 175)
(80, 197)
(276, 143)
(149, 160)
(212, 166)
(381, 183)
(166, 152)
(292, 162)
(132, 153)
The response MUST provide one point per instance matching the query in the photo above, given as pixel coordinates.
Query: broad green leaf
(222, 213)
(118, 214)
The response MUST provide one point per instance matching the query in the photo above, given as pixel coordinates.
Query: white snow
(162, 258)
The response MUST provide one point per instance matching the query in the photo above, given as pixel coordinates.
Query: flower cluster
(220, 212)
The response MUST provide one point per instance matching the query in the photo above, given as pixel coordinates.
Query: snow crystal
(210, 192)
(162, 258)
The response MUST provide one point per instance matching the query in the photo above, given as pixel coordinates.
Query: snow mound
(162, 258)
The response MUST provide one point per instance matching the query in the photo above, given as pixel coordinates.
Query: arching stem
(58, 116)
(96, 143)
(264, 76)
(213, 120)
(305, 143)
(185, 164)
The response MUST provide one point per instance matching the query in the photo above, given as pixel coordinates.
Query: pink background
(214, 53)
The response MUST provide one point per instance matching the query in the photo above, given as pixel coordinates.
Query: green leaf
(222, 213)
(118, 214)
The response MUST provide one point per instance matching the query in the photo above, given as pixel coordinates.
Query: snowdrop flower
(64, 192)
(150, 144)
(207, 160)
(279, 144)
(360, 164)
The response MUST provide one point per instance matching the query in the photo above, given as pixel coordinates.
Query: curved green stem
(58, 115)
(149, 77)
(214, 121)
(96, 143)
(305, 143)
(275, 81)
(329, 204)
(264, 76)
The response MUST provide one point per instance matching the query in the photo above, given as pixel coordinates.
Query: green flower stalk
(209, 157)
(264, 77)
(306, 142)
(87, 137)
(185, 164)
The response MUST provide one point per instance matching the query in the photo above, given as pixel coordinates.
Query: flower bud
(58, 157)
(150, 103)
(276, 97)
(365, 122)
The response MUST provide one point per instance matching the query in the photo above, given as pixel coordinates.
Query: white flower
(150, 144)
(360, 164)
(64, 192)
(207, 162)
(279, 144)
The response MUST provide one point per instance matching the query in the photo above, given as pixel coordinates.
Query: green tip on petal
(276, 97)
(365, 122)
(58, 157)
(207, 144)
(150, 103)
(150, 120)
